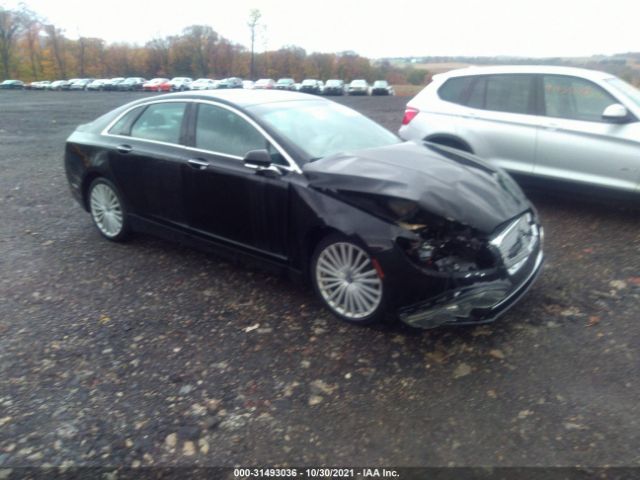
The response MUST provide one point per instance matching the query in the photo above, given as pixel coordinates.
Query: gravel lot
(148, 353)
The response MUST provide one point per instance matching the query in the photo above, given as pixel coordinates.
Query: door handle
(197, 163)
(124, 148)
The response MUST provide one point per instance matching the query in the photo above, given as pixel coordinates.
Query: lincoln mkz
(378, 226)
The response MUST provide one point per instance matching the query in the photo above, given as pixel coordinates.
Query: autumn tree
(90, 56)
(158, 56)
(289, 61)
(33, 48)
(200, 42)
(11, 25)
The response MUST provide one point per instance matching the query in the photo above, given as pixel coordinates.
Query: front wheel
(346, 280)
(107, 210)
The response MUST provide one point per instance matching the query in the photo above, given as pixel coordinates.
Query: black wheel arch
(448, 140)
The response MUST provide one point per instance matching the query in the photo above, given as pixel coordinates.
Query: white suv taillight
(409, 114)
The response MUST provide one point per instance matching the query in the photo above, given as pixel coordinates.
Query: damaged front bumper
(474, 304)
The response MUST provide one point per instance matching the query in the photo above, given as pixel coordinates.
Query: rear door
(500, 122)
(146, 160)
(576, 144)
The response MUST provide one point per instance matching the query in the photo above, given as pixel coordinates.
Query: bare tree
(32, 26)
(56, 40)
(10, 26)
(82, 48)
(254, 20)
(158, 56)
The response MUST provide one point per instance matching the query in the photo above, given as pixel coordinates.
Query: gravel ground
(148, 353)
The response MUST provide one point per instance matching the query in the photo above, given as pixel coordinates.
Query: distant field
(407, 90)
(435, 68)
(629, 71)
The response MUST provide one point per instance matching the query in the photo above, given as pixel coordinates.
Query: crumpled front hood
(455, 186)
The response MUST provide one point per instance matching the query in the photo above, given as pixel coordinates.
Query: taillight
(409, 114)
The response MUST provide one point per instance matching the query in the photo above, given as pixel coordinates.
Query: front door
(576, 144)
(225, 199)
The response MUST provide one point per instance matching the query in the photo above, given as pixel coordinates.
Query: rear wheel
(346, 280)
(107, 210)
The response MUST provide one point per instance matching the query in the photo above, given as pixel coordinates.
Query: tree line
(33, 49)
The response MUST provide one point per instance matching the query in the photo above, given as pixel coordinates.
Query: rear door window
(123, 125)
(510, 93)
(454, 89)
(161, 122)
(478, 93)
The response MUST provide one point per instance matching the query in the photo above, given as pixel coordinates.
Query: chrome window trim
(292, 165)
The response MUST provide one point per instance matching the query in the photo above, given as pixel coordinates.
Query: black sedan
(231, 82)
(12, 85)
(376, 225)
(382, 87)
(311, 85)
(131, 84)
(334, 86)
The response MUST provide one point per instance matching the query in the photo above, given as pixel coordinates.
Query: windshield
(380, 83)
(321, 128)
(333, 83)
(629, 91)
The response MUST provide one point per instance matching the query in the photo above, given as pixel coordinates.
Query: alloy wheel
(106, 210)
(348, 281)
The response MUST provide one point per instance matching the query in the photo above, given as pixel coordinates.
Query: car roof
(539, 69)
(245, 98)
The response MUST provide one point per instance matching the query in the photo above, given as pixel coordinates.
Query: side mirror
(258, 158)
(261, 162)
(616, 113)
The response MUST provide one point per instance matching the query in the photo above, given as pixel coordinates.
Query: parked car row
(333, 86)
(160, 84)
(125, 84)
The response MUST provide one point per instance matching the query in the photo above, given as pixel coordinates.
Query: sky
(390, 28)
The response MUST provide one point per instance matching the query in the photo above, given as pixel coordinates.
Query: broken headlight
(450, 252)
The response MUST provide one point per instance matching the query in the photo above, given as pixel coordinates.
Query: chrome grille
(516, 242)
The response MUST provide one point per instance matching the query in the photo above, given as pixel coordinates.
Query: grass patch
(407, 90)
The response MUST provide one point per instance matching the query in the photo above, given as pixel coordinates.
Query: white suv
(554, 122)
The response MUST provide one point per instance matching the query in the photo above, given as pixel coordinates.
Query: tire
(346, 281)
(107, 210)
